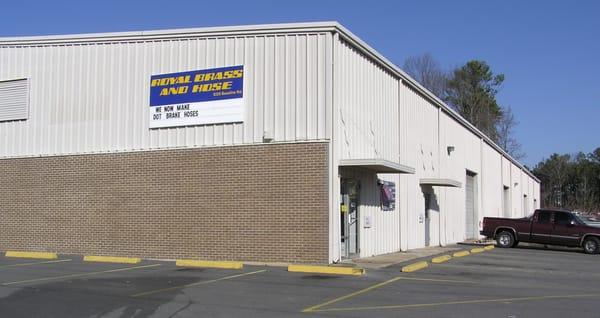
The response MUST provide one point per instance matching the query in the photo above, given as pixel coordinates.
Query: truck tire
(591, 245)
(505, 239)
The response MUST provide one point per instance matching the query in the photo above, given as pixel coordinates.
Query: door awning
(377, 165)
(439, 182)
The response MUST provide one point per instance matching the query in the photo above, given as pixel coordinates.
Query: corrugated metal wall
(491, 176)
(365, 112)
(94, 96)
(418, 129)
(366, 96)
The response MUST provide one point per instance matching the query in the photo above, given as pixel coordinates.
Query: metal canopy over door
(349, 218)
(470, 206)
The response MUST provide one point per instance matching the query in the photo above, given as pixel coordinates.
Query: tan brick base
(265, 203)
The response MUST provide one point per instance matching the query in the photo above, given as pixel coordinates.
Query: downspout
(439, 176)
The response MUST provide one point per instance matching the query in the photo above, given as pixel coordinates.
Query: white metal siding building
(303, 83)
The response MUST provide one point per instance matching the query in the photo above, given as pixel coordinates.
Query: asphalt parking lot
(520, 282)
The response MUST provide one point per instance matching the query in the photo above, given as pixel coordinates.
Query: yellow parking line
(35, 263)
(460, 302)
(362, 291)
(438, 280)
(156, 291)
(78, 275)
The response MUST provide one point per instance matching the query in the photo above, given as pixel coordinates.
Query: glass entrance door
(349, 218)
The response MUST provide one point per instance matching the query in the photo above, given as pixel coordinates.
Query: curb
(441, 259)
(336, 270)
(414, 267)
(112, 259)
(209, 264)
(461, 254)
(38, 255)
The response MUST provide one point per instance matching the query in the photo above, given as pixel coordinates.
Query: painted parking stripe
(460, 302)
(356, 293)
(35, 263)
(162, 290)
(78, 275)
(316, 308)
(435, 280)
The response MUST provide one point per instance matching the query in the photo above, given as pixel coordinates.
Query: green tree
(471, 91)
(571, 181)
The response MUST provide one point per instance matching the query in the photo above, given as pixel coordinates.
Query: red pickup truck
(553, 227)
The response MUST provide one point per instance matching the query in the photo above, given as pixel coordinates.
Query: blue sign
(197, 97)
(197, 86)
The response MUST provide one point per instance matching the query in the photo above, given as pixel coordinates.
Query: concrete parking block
(414, 267)
(335, 270)
(461, 254)
(209, 264)
(112, 259)
(441, 259)
(36, 255)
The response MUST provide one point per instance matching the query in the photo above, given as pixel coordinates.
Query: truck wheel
(591, 245)
(505, 239)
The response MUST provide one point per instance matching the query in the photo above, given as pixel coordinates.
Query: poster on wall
(209, 96)
(387, 192)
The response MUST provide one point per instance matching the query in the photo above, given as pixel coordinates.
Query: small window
(14, 100)
(562, 218)
(544, 217)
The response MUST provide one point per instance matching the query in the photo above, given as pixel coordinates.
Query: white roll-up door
(470, 227)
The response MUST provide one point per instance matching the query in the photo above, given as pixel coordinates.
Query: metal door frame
(344, 186)
(475, 215)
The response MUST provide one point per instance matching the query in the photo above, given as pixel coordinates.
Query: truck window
(562, 218)
(544, 217)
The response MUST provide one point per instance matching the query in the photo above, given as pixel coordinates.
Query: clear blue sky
(548, 50)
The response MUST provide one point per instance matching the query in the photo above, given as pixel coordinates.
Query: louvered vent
(14, 100)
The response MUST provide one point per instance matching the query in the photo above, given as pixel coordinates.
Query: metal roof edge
(171, 33)
(323, 26)
(365, 48)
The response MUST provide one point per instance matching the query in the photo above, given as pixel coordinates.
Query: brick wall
(250, 203)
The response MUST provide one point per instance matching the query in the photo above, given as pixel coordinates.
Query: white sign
(198, 97)
(368, 221)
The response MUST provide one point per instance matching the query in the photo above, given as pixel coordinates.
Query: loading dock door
(470, 224)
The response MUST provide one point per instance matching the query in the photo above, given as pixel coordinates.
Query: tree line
(571, 181)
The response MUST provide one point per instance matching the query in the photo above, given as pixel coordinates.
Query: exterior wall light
(450, 149)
